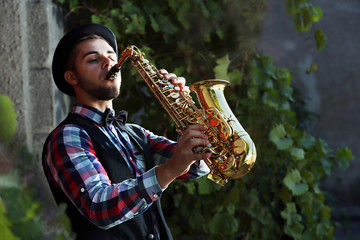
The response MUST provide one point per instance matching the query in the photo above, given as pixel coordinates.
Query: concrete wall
(332, 91)
(29, 32)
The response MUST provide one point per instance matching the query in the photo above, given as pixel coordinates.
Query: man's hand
(184, 156)
(171, 77)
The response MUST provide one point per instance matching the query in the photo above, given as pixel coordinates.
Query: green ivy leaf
(287, 91)
(306, 198)
(320, 39)
(291, 7)
(206, 187)
(220, 32)
(294, 182)
(271, 98)
(284, 74)
(326, 212)
(116, 13)
(8, 122)
(231, 208)
(130, 8)
(295, 230)
(308, 176)
(182, 13)
(279, 137)
(316, 14)
(73, 4)
(204, 10)
(96, 19)
(344, 156)
(108, 22)
(312, 68)
(136, 24)
(323, 228)
(290, 214)
(297, 153)
(174, 4)
(253, 92)
(221, 69)
(235, 77)
(190, 187)
(154, 24)
(307, 141)
(293, 226)
(327, 165)
(166, 25)
(216, 224)
(323, 148)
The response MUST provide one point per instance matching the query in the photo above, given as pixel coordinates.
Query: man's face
(94, 59)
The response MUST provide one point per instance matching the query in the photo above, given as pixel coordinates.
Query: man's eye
(93, 60)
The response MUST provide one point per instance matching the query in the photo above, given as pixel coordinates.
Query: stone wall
(29, 32)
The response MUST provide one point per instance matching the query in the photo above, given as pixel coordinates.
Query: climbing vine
(281, 198)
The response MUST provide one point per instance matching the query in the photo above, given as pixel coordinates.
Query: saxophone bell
(236, 150)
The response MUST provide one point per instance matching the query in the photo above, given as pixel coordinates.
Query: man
(110, 174)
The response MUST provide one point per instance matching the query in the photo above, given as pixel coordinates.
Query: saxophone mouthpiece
(113, 72)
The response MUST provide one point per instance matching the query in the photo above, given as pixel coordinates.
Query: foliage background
(216, 39)
(282, 196)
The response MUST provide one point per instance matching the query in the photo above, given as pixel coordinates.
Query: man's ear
(70, 77)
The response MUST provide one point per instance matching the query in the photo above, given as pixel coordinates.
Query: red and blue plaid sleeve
(73, 166)
(162, 149)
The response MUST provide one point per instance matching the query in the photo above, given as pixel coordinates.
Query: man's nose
(107, 62)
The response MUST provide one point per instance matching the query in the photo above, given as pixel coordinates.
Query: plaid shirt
(70, 153)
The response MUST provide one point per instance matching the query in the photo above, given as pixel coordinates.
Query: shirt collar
(90, 112)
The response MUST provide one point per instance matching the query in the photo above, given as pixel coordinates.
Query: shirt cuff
(151, 185)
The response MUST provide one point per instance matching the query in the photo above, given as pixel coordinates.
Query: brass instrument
(233, 151)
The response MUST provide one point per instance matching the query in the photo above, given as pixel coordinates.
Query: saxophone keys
(174, 95)
(214, 122)
(160, 81)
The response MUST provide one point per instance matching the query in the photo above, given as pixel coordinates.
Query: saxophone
(233, 152)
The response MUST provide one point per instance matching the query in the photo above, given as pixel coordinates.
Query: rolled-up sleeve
(162, 149)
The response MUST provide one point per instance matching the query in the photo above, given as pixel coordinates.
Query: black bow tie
(119, 120)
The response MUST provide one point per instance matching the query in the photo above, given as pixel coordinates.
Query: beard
(99, 92)
(103, 93)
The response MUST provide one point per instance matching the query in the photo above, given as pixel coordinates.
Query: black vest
(141, 226)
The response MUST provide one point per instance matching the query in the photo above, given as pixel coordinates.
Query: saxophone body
(233, 153)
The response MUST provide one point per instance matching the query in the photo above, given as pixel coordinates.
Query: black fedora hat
(65, 46)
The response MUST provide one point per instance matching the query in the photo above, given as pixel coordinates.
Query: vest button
(151, 236)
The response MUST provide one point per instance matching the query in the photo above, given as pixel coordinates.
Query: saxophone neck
(131, 51)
